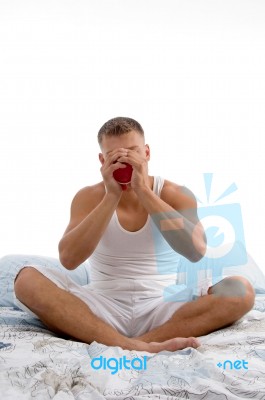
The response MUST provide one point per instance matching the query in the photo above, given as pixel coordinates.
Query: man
(126, 234)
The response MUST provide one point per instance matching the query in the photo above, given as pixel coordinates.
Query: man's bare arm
(90, 215)
(84, 231)
(176, 218)
(175, 215)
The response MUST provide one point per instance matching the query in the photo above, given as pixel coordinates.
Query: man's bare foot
(169, 345)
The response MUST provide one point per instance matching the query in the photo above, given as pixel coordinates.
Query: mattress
(36, 364)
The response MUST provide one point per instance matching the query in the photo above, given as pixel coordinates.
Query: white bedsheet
(35, 364)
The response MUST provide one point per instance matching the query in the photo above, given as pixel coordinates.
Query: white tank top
(143, 255)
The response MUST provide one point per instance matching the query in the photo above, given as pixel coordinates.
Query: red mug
(123, 175)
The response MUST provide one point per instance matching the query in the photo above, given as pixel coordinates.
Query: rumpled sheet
(35, 364)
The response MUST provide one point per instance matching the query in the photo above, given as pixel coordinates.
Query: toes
(174, 344)
(195, 342)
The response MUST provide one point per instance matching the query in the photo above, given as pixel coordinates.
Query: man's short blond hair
(119, 126)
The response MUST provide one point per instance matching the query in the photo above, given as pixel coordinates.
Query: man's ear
(101, 158)
(147, 152)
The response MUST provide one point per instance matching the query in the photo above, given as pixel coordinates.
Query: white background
(191, 72)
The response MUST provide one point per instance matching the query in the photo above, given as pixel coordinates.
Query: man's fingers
(117, 165)
(111, 158)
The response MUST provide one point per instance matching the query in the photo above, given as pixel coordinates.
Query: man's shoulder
(96, 189)
(89, 194)
(178, 196)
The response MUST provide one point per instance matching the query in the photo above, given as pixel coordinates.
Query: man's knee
(24, 276)
(28, 286)
(248, 298)
(238, 289)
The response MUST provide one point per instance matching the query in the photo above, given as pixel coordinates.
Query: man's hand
(140, 169)
(111, 163)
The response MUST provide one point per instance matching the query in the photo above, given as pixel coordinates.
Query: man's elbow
(66, 262)
(65, 258)
(198, 253)
(195, 257)
(71, 259)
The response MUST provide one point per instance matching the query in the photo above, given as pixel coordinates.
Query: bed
(37, 364)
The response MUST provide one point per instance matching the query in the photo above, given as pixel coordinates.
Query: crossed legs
(225, 303)
(65, 313)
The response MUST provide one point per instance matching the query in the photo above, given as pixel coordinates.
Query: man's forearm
(181, 234)
(78, 244)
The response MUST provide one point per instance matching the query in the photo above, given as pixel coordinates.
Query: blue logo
(116, 364)
(208, 363)
(224, 231)
(223, 227)
(237, 364)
